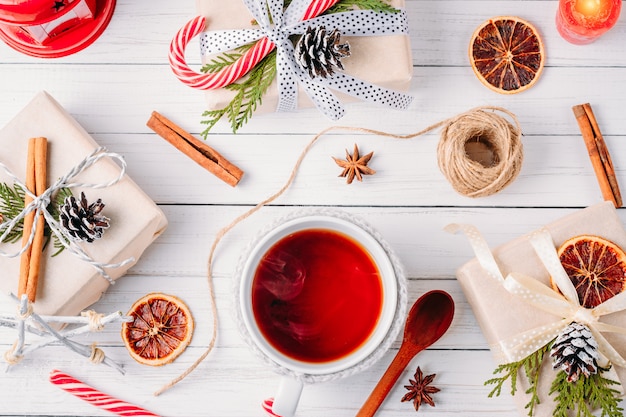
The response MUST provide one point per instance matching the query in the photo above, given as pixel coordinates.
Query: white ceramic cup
(288, 393)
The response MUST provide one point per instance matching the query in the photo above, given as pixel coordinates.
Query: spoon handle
(387, 381)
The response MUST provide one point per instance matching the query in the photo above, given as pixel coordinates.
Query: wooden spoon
(427, 321)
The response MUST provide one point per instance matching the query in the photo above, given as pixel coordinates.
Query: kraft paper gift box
(67, 284)
(383, 61)
(502, 316)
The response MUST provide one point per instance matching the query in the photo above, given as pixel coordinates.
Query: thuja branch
(12, 204)
(586, 395)
(224, 60)
(248, 96)
(510, 371)
(375, 5)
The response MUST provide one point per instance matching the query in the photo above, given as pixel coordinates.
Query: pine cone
(319, 52)
(82, 221)
(575, 351)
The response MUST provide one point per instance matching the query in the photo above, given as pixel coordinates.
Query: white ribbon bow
(564, 306)
(277, 25)
(40, 205)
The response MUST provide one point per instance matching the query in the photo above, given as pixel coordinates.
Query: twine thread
(11, 357)
(502, 137)
(94, 320)
(22, 313)
(468, 176)
(41, 202)
(97, 355)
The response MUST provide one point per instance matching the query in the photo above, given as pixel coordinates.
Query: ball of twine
(473, 176)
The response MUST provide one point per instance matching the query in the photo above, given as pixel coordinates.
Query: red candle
(583, 21)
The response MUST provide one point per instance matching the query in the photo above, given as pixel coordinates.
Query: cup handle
(287, 397)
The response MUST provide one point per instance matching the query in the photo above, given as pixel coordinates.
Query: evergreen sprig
(54, 209)
(250, 90)
(585, 395)
(531, 366)
(225, 59)
(379, 6)
(580, 397)
(249, 95)
(12, 203)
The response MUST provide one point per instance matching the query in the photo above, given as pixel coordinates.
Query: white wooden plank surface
(112, 87)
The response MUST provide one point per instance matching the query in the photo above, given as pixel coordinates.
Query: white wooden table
(111, 89)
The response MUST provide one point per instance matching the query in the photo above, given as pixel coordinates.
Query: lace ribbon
(564, 306)
(277, 24)
(40, 205)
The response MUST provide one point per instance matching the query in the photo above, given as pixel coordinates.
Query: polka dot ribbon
(564, 305)
(275, 27)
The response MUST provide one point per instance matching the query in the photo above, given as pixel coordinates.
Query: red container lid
(73, 41)
(33, 12)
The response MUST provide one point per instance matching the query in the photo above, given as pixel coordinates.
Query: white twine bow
(277, 24)
(26, 320)
(565, 306)
(40, 205)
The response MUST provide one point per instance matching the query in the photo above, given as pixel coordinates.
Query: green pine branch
(249, 95)
(12, 203)
(531, 366)
(250, 90)
(586, 395)
(380, 6)
(59, 200)
(581, 397)
(225, 59)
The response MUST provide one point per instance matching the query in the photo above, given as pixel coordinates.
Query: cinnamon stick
(200, 152)
(36, 183)
(28, 219)
(41, 157)
(598, 153)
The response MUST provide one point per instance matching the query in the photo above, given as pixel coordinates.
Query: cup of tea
(320, 297)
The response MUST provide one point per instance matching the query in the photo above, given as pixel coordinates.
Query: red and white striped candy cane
(267, 406)
(97, 398)
(233, 72)
(219, 79)
(318, 7)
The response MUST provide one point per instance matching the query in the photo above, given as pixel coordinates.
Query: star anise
(355, 165)
(420, 389)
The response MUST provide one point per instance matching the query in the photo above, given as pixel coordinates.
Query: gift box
(503, 316)
(68, 284)
(383, 61)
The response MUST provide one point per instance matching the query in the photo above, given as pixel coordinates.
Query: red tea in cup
(317, 295)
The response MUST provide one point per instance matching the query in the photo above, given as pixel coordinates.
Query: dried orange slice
(596, 266)
(160, 331)
(507, 54)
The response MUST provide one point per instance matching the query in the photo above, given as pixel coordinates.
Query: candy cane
(267, 406)
(95, 397)
(219, 79)
(318, 7)
(233, 72)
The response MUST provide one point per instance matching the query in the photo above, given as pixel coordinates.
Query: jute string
(94, 320)
(502, 139)
(481, 124)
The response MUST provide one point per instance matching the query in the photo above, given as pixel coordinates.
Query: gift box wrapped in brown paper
(67, 284)
(384, 61)
(502, 315)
